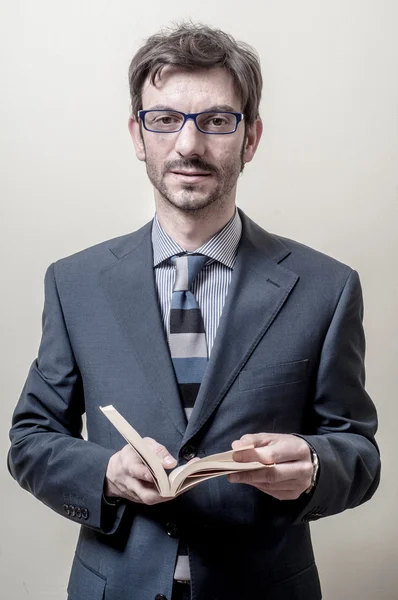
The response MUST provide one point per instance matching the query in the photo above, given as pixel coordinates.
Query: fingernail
(238, 456)
(169, 460)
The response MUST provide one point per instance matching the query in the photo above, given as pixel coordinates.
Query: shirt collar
(222, 247)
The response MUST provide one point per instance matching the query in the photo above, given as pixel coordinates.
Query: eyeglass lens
(167, 121)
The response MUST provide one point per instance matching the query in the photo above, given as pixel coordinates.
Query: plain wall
(325, 174)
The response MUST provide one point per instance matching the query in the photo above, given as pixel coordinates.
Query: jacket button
(67, 509)
(189, 452)
(160, 597)
(172, 530)
(73, 510)
(85, 513)
(78, 512)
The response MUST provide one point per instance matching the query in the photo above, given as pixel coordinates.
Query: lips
(190, 177)
(191, 173)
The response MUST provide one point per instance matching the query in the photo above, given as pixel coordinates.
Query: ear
(136, 136)
(253, 137)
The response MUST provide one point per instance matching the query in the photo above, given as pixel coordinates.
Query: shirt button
(172, 530)
(189, 452)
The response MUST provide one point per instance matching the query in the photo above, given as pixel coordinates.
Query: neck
(192, 229)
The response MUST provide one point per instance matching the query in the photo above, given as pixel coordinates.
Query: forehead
(191, 90)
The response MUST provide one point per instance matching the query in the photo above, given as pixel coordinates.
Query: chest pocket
(273, 375)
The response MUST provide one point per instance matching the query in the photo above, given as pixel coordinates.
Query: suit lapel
(130, 288)
(258, 290)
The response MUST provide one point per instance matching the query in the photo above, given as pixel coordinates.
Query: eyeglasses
(171, 121)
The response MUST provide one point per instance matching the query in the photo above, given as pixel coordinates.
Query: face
(191, 170)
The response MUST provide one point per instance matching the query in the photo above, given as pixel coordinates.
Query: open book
(186, 476)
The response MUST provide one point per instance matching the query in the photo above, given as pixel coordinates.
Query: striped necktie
(187, 336)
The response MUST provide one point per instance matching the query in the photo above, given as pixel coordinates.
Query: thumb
(169, 462)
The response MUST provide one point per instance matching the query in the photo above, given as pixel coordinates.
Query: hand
(128, 477)
(292, 473)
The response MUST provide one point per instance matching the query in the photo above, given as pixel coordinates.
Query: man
(204, 331)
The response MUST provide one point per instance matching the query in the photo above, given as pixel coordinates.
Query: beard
(194, 197)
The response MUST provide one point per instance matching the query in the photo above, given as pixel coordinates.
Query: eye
(166, 119)
(159, 120)
(217, 121)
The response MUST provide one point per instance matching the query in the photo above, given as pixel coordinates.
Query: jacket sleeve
(344, 415)
(48, 456)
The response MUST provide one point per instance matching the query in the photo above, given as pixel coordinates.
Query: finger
(263, 476)
(278, 449)
(146, 493)
(135, 490)
(297, 470)
(237, 444)
(255, 439)
(132, 465)
(281, 494)
(168, 460)
(280, 486)
(284, 486)
(140, 471)
(255, 455)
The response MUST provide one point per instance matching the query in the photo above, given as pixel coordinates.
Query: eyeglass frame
(239, 117)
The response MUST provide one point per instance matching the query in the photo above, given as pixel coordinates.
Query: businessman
(203, 330)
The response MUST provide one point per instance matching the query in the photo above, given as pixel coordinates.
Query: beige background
(325, 174)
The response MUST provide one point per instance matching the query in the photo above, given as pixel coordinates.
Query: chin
(190, 205)
(189, 200)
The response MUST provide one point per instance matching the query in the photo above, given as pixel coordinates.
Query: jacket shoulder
(292, 254)
(311, 257)
(101, 255)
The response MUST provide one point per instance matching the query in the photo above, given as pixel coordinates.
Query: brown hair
(193, 46)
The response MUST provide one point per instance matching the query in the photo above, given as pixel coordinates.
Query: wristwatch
(315, 469)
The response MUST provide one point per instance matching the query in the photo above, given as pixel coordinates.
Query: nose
(190, 141)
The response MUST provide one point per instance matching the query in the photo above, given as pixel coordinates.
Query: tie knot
(188, 267)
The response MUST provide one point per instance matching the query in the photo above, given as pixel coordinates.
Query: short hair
(194, 46)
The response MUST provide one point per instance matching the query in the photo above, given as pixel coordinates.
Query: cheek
(227, 152)
(158, 151)
(229, 160)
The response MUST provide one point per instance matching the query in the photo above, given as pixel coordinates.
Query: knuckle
(156, 447)
(131, 469)
(140, 472)
(305, 453)
(149, 439)
(294, 494)
(248, 477)
(248, 438)
(149, 498)
(131, 491)
(277, 495)
(308, 470)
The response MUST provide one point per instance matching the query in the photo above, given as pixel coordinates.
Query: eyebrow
(216, 108)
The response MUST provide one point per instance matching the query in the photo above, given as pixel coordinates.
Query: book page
(209, 467)
(150, 458)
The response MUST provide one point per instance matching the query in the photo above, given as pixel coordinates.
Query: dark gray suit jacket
(288, 358)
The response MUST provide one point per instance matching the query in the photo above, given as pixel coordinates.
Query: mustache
(190, 163)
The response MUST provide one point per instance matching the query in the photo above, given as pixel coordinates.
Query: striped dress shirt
(210, 289)
(211, 285)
